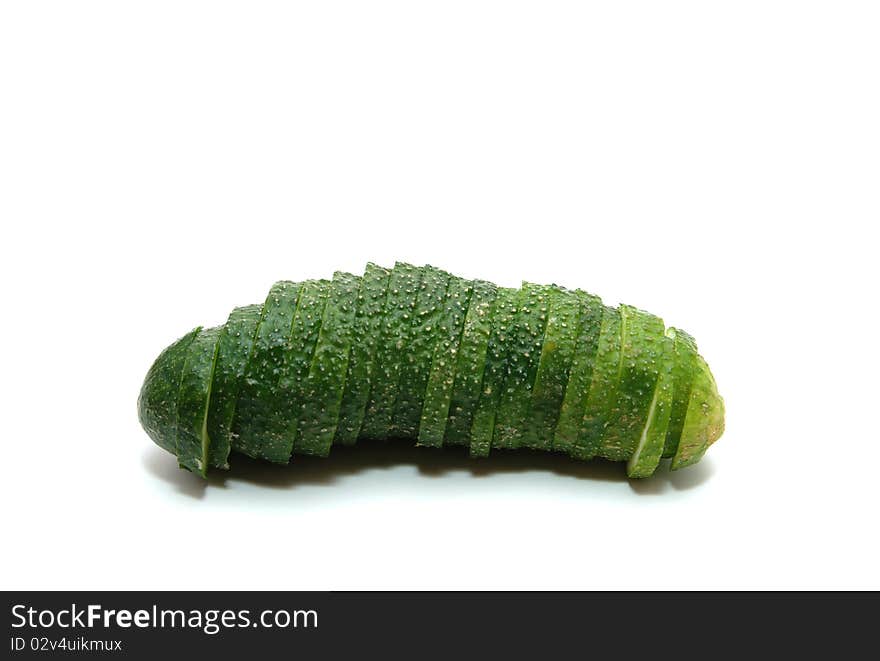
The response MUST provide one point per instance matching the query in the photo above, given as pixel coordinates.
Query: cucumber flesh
(366, 334)
(403, 287)
(471, 363)
(649, 448)
(554, 366)
(438, 393)
(577, 388)
(642, 348)
(233, 350)
(157, 401)
(704, 421)
(193, 441)
(326, 377)
(604, 383)
(416, 359)
(512, 420)
(298, 358)
(685, 367)
(256, 429)
(503, 315)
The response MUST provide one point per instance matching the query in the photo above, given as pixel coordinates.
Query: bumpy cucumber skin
(258, 427)
(361, 365)
(326, 378)
(438, 392)
(193, 394)
(471, 363)
(420, 354)
(416, 360)
(233, 350)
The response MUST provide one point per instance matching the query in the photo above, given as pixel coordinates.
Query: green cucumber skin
(326, 377)
(441, 378)
(233, 350)
(193, 395)
(257, 430)
(416, 360)
(403, 287)
(417, 353)
(471, 363)
(366, 333)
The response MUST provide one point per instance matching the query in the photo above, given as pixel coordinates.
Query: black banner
(270, 625)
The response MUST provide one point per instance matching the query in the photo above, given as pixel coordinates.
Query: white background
(715, 163)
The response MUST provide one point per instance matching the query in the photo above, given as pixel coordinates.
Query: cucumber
(438, 393)
(326, 377)
(577, 388)
(157, 400)
(512, 428)
(649, 449)
(421, 354)
(470, 363)
(193, 394)
(683, 370)
(554, 365)
(704, 420)
(641, 349)
(258, 429)
(298, 359)
(604, 383)
(416, 361)
(403, 287)
(366, 333)
(233, 351)
(494, 373)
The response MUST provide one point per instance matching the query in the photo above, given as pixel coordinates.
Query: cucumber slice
(256, 429)
(557, 354)
(157, 401)
(366, 334)
(704, 421)
(416, 361)
(300, 352)
(326, 378)
(511, 421)
(683, 372)
(471, 363)
(604, 383)
(571, 414)
(503, 315)
(234, 349)
(642, 348)
(403, 287)
(649, 449)
(438, 393)
(193, 442)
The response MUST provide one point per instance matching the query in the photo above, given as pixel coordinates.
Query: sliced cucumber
(685, 367)
(604, 383)
(471, 363)
(256, 430)
(416, 361)
(642, 350)
(298, 359)
(511, 421)
(704, 420)
(326, 377)
(193, 441)
(366, 334)
(557, 353)
(233, 350)
(649, 448)
(438, 393)
(577, 388)
(157, 401)
(403, 287)
(495, 372)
